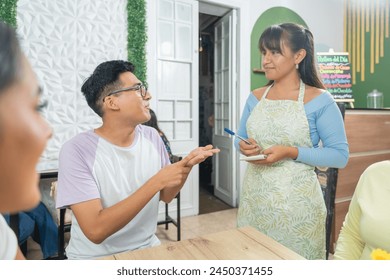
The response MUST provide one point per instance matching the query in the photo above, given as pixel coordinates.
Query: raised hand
(199, 155)
(175, 174)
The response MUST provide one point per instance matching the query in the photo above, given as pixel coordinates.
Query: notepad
(253, 158)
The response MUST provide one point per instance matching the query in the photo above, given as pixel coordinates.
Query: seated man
(38, 218)
(113, 177)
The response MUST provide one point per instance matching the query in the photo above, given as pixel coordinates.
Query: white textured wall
(64, 41)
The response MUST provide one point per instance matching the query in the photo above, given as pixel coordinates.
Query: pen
(235, 134)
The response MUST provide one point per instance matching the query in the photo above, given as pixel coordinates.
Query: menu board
(335, 72)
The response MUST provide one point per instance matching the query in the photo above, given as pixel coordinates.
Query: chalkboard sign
(335, 71)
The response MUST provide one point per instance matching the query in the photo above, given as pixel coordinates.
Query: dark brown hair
(296, 37)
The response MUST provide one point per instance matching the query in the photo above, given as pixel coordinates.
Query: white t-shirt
(8, 241)
(91, 167)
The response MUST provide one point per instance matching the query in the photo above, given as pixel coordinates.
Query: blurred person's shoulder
(381, 166)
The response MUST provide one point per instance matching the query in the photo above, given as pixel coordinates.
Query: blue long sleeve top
(325, 124)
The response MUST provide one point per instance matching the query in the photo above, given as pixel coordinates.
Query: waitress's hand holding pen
(248, 147)
(252, 149)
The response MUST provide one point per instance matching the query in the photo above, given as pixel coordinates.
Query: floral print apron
(284, 200)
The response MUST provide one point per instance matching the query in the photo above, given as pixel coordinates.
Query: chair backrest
(64, 222)
(68, 212)
(328, 181)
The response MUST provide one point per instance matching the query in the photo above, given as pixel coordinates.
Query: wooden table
(236, 244)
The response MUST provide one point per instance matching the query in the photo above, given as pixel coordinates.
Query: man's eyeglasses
(140, 88)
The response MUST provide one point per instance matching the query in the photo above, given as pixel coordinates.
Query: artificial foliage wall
(136, 38)
(8, 11)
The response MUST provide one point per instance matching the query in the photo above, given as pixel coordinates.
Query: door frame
(242, 61)
(243, 72)
(225, 187)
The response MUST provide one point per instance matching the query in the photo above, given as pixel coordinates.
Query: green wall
(271, 16)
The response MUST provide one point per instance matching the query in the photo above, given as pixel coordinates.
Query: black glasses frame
(142, 90)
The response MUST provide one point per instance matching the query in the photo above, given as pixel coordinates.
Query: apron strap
(266, 91)
(301, 91)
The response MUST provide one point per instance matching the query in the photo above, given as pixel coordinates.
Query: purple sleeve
(75, 178)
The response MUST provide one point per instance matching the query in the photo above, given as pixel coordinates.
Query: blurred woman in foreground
(23, 137)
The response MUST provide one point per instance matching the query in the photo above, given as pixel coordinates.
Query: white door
(224, 108)
(176, 94)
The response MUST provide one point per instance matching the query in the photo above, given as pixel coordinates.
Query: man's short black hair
(103, 80)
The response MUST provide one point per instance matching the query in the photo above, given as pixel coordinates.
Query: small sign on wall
(335, 72)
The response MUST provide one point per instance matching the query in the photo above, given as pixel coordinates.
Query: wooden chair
(328, 181)
(168, 219)
(64, 221)
(63, 227)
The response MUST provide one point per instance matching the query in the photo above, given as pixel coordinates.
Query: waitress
(286, 120)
